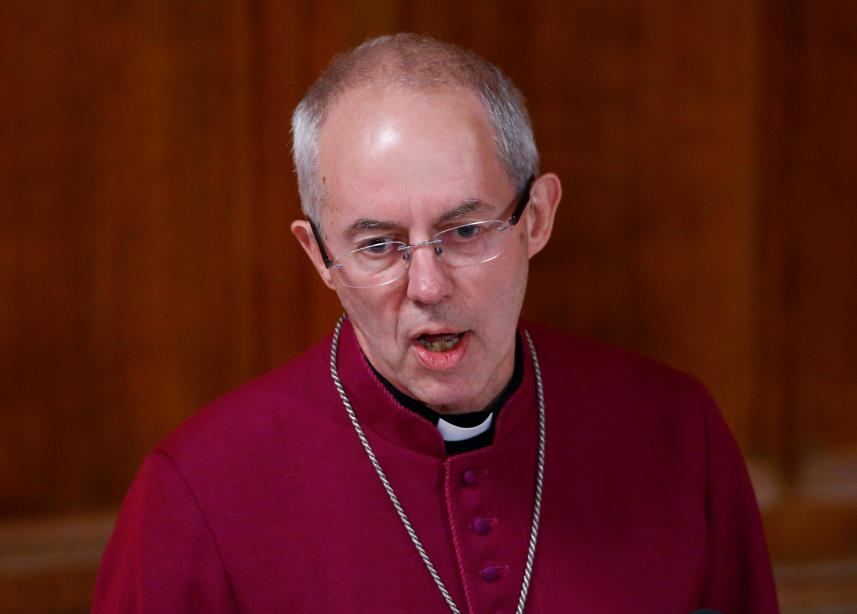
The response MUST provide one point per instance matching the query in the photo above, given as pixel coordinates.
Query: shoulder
(255, 420)
(628, 418)
(603, 363)
(617, 386)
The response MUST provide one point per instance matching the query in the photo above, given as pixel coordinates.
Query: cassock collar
(380, 412)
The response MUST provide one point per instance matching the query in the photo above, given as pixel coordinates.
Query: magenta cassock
(265, 501)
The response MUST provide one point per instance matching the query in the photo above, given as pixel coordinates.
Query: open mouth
(442, 342)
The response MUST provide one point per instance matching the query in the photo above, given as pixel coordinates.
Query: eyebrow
(468, 206)
(367, 223)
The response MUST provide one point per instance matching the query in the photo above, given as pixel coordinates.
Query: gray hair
(421, 63)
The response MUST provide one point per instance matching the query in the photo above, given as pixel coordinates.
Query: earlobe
(545, 196)
(303, 233)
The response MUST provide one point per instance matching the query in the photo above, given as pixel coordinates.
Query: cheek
(372, 310)
(499, 295)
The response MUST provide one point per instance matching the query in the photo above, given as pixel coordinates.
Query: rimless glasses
(379, 261)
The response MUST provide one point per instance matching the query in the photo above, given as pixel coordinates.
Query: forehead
(386, 152)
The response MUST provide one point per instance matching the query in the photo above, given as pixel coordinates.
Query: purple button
(481, 526)
(469, 477)
(490, 574)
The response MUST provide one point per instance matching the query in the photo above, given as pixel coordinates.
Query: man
(436, 454)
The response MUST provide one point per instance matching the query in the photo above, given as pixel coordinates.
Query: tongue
(440, 337)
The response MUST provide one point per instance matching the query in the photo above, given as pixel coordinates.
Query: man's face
(406, 159)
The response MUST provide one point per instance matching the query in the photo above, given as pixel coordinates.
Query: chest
(325, 536)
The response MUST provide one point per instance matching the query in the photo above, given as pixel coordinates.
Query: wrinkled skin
(407, 157)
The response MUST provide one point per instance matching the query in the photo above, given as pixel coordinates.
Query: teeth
(444, 345)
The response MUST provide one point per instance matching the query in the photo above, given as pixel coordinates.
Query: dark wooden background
(708, 156)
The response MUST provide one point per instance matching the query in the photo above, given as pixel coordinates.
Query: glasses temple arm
(327, 261)
(523, 200)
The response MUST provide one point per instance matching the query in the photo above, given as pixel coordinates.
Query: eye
(468, 231)
(377, 246)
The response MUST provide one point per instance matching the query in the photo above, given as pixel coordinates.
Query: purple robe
(265, 500)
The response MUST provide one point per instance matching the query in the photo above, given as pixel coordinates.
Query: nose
(428, 278)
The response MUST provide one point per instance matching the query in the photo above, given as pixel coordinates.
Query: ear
(545, 194)
(303, 233)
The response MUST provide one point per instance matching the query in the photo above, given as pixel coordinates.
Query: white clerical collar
(451, 432)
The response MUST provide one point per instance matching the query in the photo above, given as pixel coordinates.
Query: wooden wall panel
(130, 287)
(781, 101)
(647, 114)
(808, 218)
(825, 212)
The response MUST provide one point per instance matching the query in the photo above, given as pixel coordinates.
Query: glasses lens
(473, 243)
(376, 264)
(383, 262)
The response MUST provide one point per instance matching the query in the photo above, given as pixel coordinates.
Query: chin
(447, 398)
